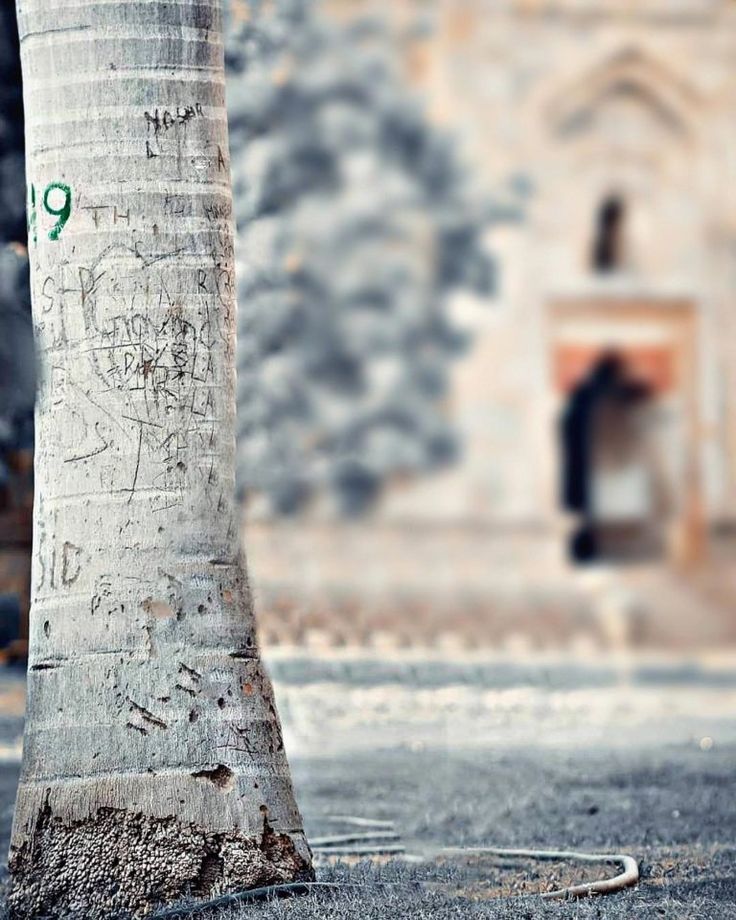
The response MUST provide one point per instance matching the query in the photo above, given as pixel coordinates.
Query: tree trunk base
(119, 862)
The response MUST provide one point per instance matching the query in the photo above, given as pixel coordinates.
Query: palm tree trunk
(153, 762)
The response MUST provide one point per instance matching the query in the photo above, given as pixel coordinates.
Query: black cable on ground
(266, 893)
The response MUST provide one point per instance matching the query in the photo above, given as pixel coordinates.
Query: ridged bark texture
(153, 764)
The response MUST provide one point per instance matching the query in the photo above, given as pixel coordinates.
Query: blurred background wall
(487, 362)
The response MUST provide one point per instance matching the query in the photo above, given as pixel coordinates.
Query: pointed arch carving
(631, 72)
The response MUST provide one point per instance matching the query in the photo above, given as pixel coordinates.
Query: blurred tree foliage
(356, 219)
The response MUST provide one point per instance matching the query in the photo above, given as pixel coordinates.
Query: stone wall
(383, 585)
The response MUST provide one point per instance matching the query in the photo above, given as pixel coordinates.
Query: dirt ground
(635, 757)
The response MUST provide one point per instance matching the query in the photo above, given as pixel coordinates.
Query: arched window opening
(608, 246)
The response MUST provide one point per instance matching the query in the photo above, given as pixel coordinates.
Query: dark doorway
(608, 478)
(608, 244)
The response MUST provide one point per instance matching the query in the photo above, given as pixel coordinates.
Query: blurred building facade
(619, 120)
(600, 105)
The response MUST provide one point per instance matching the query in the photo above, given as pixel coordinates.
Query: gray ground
(635, 759)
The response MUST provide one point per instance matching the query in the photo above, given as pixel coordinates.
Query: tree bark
(153, 762)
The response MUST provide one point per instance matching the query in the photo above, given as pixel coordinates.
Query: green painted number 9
(62, 212)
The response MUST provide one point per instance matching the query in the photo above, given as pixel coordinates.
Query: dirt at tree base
(120, 862)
